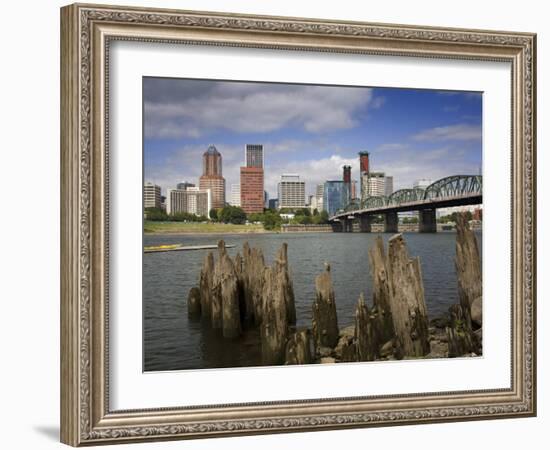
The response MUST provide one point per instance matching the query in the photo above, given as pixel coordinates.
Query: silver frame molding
(86, 32)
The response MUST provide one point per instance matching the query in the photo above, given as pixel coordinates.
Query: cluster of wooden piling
(237, 294)
(241, 293)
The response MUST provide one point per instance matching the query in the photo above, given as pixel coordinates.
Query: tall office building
(347, 183)
(364, 169)
(252, 189)
(252, 179)
(292, 191)
(212, 178)
(182, 186)
(319, 192)
(254, 155)
(151, 195)
(235, 199)
(376, 184)
(388, 188)
(191, 200)
(335, 196)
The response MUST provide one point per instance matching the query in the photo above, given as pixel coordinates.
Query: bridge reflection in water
(456, 190)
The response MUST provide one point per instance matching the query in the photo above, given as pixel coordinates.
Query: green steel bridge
(455, 190)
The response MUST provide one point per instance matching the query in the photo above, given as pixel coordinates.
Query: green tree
(324, 216)
(156, 214)
(213, 214)
(232, 214)
(271, 220)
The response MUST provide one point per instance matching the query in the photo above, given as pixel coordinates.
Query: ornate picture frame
(86, 34)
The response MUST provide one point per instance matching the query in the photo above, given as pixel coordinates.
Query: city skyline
(310, 130)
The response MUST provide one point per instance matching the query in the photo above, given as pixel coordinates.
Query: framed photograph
(276, 224)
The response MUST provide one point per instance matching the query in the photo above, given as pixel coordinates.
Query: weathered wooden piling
(274, 328)
(325, 321)
(253, 279)
(461, 339)
(407, 304)
(468, 269)
(194, 303)
(298, 348)
(381, 291)
(206, 285)
(225, 295)
(238, 264)
(281, 263)
(367, 340)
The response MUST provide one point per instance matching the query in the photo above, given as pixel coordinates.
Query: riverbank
(154, 227)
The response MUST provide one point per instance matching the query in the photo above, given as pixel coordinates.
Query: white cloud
(254, 107)
(461, 132)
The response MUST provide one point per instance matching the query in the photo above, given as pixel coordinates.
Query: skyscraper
(212, 178)
(376, 184)
(388, 188)
(151, 195)
(292, 191)
(254, 155)
(319, 192)
(252, 179)
(347, 185)
(252, 189)
(235, 199)
(364, 169)
(334, 196)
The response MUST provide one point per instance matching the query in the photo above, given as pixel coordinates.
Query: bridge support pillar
(336, 227)
(365, 222)
(427, 222)
(390, 222)
(347, 225)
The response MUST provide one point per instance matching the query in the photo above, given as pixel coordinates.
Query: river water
(173, 342)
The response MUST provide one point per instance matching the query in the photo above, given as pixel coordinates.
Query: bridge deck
(417, 205)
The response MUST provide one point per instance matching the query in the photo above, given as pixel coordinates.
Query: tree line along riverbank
(241, 293)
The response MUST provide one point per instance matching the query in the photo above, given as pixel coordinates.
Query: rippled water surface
(174, 342)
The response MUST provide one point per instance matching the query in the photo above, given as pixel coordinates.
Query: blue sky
(309, 130)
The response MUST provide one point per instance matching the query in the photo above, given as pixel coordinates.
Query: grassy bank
(196, 227)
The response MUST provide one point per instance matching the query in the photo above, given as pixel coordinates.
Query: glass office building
(335, 196)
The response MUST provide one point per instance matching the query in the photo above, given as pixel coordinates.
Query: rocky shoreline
(236, 294)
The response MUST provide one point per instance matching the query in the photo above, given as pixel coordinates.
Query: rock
(345, 351)
(328, 360)
(194, 303)
(387, 349)
(348, 331)
(438, 349)
(476, 312)
(325, 321)
(298, 348)
(440, 322)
